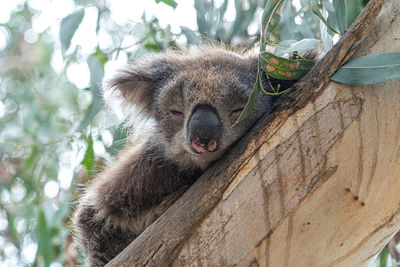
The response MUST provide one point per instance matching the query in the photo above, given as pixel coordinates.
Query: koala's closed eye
(176, 112)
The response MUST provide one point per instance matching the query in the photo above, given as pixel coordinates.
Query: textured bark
(314, 184)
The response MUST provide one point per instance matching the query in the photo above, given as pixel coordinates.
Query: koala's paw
(99, 240)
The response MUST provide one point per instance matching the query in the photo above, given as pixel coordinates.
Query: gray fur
(131, 193)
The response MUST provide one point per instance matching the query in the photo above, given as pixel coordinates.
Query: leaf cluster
(359, 71)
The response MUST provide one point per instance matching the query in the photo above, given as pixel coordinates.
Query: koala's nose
(204, 130)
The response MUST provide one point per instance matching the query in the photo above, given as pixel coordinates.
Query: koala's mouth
(207, 156)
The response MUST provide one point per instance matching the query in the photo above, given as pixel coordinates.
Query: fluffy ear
(139, 83)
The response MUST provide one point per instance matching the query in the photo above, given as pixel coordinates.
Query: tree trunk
(316, 183)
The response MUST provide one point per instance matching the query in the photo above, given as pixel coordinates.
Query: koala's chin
(194, 100)
(205, 159)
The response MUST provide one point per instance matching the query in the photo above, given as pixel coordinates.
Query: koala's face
(195, 100)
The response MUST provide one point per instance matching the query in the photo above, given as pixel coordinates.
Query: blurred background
(55, 132)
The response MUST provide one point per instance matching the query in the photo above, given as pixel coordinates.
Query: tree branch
(160, 243)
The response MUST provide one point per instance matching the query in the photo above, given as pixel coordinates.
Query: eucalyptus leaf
(328, 6)
(31, 160)
(276, 18)
(270, 8)
(202, 24)
(331, 16)
(12, 230)
(44, 239)
(191, 36)
(96, 76)
(331, 21)
(251, 102)
(353, 9)
(289, 46)
(316, 11)
(220, 30)
(68, 27)
(326, 38)
(239, 20)
(383, 257)
(283, 68)
(171, 3)
(288, 29)
(268, 11)
(88, 160)
(369, 69)
(48, 211)
(324, 26)
(340, 15)
(222, 9)
(239, 15)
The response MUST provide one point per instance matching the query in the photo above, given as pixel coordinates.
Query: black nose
(204, 130)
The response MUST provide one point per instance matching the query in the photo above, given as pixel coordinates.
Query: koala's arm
(125, 199)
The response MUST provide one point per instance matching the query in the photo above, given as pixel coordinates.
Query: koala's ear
(138, 84)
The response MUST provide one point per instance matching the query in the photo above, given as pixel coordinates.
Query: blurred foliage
(55, 133)
(385, 260)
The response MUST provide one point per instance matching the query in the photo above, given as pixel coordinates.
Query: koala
(194, 99)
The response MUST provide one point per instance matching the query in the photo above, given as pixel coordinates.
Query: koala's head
(195, 100)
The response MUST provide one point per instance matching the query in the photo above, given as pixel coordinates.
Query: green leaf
(383, 257)
(369, 69)
(101, 56)
(96, 75)
(276, 18)
(153, 47)
(270, 9)
(222, 10)
(243, 18)
(328, 6)
(202, 24)
(316, 11)
(68, 27)
(289, 46)
(283, 68)
(88, 160)
(44, 239)
(251, 102)
(12, 230)
(171, 3)
(31, 160)
(48, 210)
(191, 36)
(353, 9)
(30, 214)
(340, 15)
(237, 25)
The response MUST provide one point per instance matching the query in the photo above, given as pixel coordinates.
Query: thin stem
(264, 35)
(268, 93)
